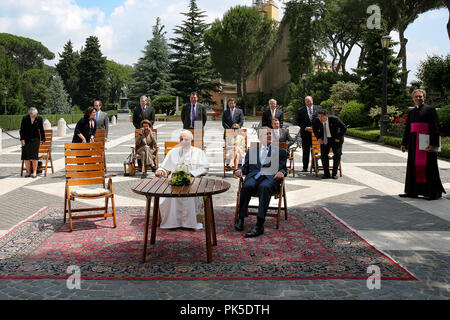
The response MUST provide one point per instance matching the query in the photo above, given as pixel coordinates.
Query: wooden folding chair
(100, 136)
(45, 153)
(85, 166)
(136, 165)
(315, 156)
(229, 132)
(290, 156)
(280, 195)
(169, 145)
(198, 136)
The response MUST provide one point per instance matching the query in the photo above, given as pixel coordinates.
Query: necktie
(193, 115)
(143, 111)
(310, 113)
(96, 116)
(325, 132)
(262, 159)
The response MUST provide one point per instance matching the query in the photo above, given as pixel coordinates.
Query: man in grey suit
(232, 115)
(101, 117)
(143, 112)
(281, 134)
(193, 113)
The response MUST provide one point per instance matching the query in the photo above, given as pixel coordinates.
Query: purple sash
(421, 155)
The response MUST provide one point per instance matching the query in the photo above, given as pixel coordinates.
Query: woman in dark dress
(31, 136)
(85, 128)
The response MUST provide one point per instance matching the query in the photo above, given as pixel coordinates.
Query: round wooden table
(200, 187)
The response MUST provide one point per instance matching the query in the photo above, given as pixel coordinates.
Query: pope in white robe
(182, 212)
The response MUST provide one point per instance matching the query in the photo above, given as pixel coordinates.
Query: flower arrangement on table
(180, 178)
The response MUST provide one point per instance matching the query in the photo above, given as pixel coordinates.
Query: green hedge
(373, 134)
(12, 122)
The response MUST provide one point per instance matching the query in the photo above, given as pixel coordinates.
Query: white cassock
(177, 213)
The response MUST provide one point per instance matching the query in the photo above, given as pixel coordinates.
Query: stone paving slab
(365, 210)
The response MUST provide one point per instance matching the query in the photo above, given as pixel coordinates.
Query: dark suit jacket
(84, 128)
(337, 128)
(252, 164)
(284, 137)
(227, 122)
(30, 131)
(138, 117)
(200, 115)
(303, 118)
(267, 118)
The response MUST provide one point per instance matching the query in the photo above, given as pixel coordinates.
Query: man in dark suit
(193, 114)
(264, 168)
(101, 118)
(143, 112)
(271, 113)
(232, 115)
(330, 131)
(305, 117)
(281, 134)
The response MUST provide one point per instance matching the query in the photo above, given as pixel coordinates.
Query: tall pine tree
(58, 100)
(68, 70)
(152, 72)
(92, 71)
(192, 67)
(371, 73)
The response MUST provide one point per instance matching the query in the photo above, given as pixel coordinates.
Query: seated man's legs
(265, 190)
(144, 164)
(248, 188)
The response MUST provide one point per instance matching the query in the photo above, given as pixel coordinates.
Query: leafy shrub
(327, 104)
(354, 115)
(444, 119)
(369, 134)
(344, 91)
(391, 111)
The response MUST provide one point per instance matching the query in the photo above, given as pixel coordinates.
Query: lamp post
(5, 91)
(384, 120)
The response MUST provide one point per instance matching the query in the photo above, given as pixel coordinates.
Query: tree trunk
(239, 83)
(402, 55)
(244, 87)
(362, 55)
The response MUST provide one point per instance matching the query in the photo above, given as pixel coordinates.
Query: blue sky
(124, 26)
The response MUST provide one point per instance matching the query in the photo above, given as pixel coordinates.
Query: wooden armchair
(277, 214)
(85, 166)
(45, 153)
(315, 156)
(199, 135)
(136, 164)
(290, 156)
(229, 132)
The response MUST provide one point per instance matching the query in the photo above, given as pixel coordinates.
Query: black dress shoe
(255, 232)
(326, 176)
(239, 226)
(407, 195)
(431, 198)
(144, 176)
(334, 177)
(305, 170)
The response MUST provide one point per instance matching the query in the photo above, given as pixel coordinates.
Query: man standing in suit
(330, 131)
(264, 168)
(281, 134)
(143, 112)
(232, 115)
(193, 113)
(305, 117)
(273, 112)
(101, 118)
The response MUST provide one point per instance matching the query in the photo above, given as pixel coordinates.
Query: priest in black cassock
(422, 172)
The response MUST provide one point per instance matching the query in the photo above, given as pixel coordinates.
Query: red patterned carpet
(311, 244)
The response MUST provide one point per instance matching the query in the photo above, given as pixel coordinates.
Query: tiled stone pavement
(364, 207)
